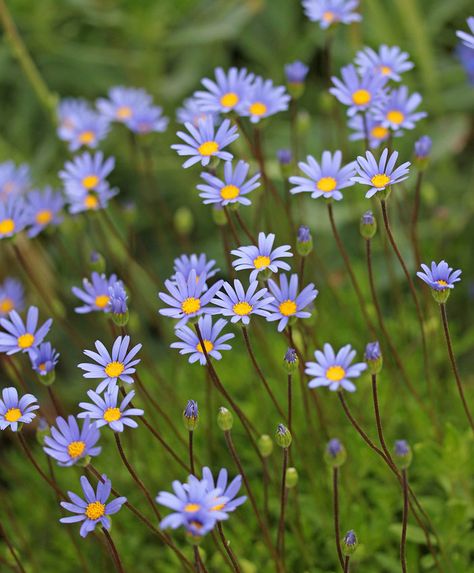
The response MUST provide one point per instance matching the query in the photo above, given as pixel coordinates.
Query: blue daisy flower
(466, 57)
(21, 337)
(233, 189)
(328, 12)
(94, 510)
(148, 119)
(359, 93)
(226, 93)
(296, 72)
(334, 370)
(376, 131)
(15, 411)
(204, 142)
(241, 305)
(325, 179)
(199, 263)
(467, 39)
(379, 176)
(117, 299)
(12, 296)
(111, 367)
(388, 61)
(264, 99)
(95, 293)
(287, 303)
(440, 277)
(89, 129)
(12, 216)
(44, 358)
(214, 342)
(192, 112)
(14, 180)
(69, 113)
(106, 411)
(68, 444)
(262, 258)
(122, 103)
(228, 490)
(42, 209)
(397, 111)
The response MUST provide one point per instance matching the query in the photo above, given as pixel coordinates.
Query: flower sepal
(441, 296)
(48, 378)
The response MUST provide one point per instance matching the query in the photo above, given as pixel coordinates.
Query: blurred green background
(82, 48)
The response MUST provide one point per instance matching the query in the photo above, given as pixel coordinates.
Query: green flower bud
(335, 454)
(42, 431)
(48, 378)
(368, 225)
(96, 262)
(219, 217)
(304, 241)
(349, 543)
(291, 360)
(265, 445)
(225, 420)
(184, 220)
(191, 415)
(402, 454)
(291, 479)
(120, 319)
(373, 357)
(283, 436)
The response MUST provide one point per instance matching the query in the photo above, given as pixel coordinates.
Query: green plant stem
(113, 552)
(283, 497)
(403, 539)
(230, 553)
(191, 454)
(346, 564)
(244, 227)
(11, 549)
(414, 219)
(335, 489)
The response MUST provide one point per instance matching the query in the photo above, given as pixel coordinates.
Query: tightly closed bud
(265, 445)
(191, 415)
(96, 262)
(291, 479)
(422, 151)
(295, 76)
(183, 220)
(349, 543)
(402, 454)
(285, 159)
(373, 357)
(118, 304)
(219, 217)
(368, 225)
(42, 431)
(335, 454)
(304, 241)
(291, 360)
(283, 436)
(225, 420)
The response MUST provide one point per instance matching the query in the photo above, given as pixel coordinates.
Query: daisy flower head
(12, 216)
(228, 490)
(357, 92)
(68, 444)
(377, 132)
(14, 180)
(214, 341)
(110, 367)
(89, 129)
(334, 370)
(43, 361)
(240, 304)
(324, 179)
(226, 93)
(296, 72)
(329, 12)
(95, 293)
(379, 176)
(389, 61)
(204, 142)
(232, 189)
(69, 113)
(107, 411)
(94, 510)
(42, 209)
(20, 336)
(199, 263)
(148, 119)
(262, 259)
(15, 410)
(440, 278)
(122, 103)
(288, 304)
(264, 99)
(467, 39)
(118, 297)
(192, 112)
(12, 296)
(188, 298)
(397, 111)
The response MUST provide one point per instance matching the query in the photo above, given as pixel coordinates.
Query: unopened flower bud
(335, 454)
(191, 415)
(291, 360)
(304, 241)
(96, 262)
(219, 217)
(373, 357)
(265, 445)
(118, 304)
(402, 454)
(285, 159)
(349, 543)
(422, 151)
(283, 436)
(42, 431)
(296, 73)
(183, 220)
(291, 479)
(225, 420)
(368, 225)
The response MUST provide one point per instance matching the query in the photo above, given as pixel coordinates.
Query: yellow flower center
(44, 217)
(379, 132)
(442, 283)
(288, 307)
(90, 181)
(261, 262)
(6, 305)
(26, 340)
(230, 99)
(124, 112)
(7, 226)
(395, 116)
(87, 137)
(229, 192)
(218, 507)
(114, 369)
(112, 414)
(42, 366)
(242, 308)
(327, 184)
(76, 449)
(385, 70)
(380, 180)
(328, 16)
(91, 201)
(102, 300)
(207, 345)
(13, 415)
(192, 507)
(208, 148)
(258, 108)
(361, 97)
(191, 305)
(335, 373)
(95, 510)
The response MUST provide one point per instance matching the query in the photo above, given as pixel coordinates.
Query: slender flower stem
(294, 129)
(346, 564)
(335, 488)
(197, 559)
(191, 453)
(404, 521)
(55, 401)
(366, 131)
(226, 544)
(290, 403)
(452, 358)
(11, 549)
(244, 227)
(258, 151)
(283, 497)
(301, 273)
(378, 419)
(232, 228)
(414, 219)
(113, 551)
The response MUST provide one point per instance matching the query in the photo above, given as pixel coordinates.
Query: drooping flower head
(334, 370)
(388, 61)
(110, 367)
(440, 278)
(199, 263)
(12, 216)
(232, 189)
(379, 176)
(324, 179)
(467, 39)
(94, 510)
(226, 93)
(377, 133)
(14, 180)
(328, 12)
(44, 359)
(42, 209)
(203, 141)
(106, 410)
(359, 93)
(214, 342)
(240, 304)
(262, 258)
(95, 293)
(68, 444)
(14, 410)
(21, 337)
(397, 111)
(288, 303)
(12, 296)
(264, 99)
(122, 103)
(229, 491)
